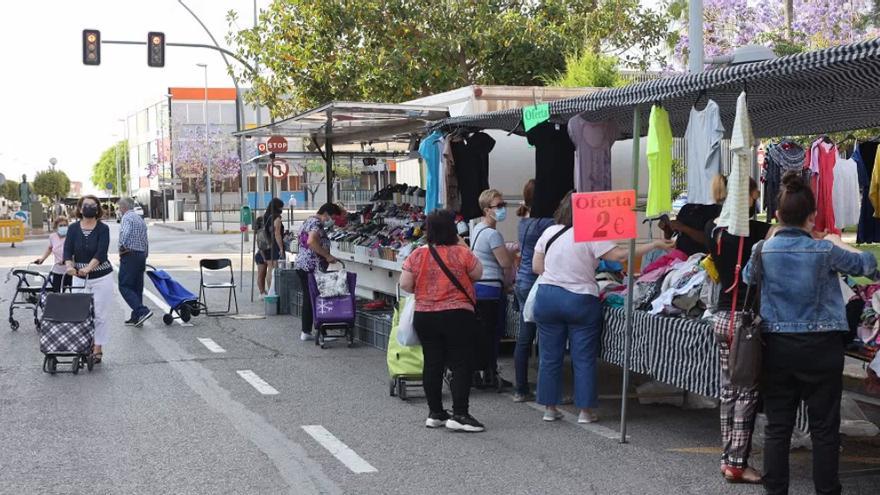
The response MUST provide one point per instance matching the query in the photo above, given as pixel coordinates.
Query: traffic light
(156, 49)
(91, 47)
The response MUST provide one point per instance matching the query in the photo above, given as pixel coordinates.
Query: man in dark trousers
(133, 251)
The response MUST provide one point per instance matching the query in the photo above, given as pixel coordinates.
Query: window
(227, 113)
(143, 122)
(214, 112)
(194, 113)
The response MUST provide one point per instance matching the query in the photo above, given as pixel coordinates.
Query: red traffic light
(156, 49)
(91, 47)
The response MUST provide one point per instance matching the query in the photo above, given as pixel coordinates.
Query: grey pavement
(164, 414)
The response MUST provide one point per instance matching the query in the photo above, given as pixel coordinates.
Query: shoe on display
(375, 305)
(465, 423)
(587, 417)
(306, 336)
(437, 420)
(553, 415)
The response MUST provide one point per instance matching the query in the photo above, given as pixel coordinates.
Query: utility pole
(789, 17)
(208, 202)
(695, 36)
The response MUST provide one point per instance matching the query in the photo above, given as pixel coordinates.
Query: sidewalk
(188, 227)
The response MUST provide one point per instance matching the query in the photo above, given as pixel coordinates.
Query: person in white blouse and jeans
(567, 308)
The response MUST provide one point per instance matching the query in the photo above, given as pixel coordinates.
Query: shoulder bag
(528, 309)
(744, 338)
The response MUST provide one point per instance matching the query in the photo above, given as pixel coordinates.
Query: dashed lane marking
(339, 450)
(257, 382)
(211, 345)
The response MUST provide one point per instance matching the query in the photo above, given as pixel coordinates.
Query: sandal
(741, 475)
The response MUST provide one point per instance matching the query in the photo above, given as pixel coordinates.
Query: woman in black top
(275, 233)
(85, 255)
(738, 405)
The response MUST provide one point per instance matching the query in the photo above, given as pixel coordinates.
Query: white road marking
(602, 431)
(211, 345)
(257, 382)
(339, 450)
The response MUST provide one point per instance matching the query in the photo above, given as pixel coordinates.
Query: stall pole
(630, 278)
(328, 173)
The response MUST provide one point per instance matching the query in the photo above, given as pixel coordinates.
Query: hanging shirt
(431, 155)
(554, 166)
(659, 163)
(703, 138)
(471, 157)
(820, 159)
(441, 177)
(453, 199)
(735, 212)
(846, 193)
(869, 227)
(780, 158)
(592, 162)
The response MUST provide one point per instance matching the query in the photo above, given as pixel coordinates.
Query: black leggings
(447, 340)
(307, 321)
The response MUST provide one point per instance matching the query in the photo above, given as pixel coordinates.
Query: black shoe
(146, 316)
(131, 322)
(465, 423)
(437, 420)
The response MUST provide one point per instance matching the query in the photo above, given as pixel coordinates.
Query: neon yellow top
(659, 163)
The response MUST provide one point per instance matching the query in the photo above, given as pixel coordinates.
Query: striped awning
(830, 90)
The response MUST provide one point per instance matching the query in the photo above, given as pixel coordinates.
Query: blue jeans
(577, 318)
(524, 341)
(131, 281)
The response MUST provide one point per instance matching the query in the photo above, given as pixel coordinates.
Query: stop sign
(277, 144)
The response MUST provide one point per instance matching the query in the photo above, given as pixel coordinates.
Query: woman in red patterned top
(441, 276)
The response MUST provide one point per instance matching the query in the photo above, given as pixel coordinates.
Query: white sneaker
(552, 415)
(587, 417)
(306, 336)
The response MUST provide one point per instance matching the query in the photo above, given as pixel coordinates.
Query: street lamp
(208, 202)
(118, 170)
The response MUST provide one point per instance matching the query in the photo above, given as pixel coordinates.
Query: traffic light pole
(186, 45)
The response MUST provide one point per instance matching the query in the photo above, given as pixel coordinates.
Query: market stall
(813, 93)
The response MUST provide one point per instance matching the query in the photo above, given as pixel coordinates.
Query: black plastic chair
(214, 265)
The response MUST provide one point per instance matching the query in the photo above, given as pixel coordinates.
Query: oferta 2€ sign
(604, 216)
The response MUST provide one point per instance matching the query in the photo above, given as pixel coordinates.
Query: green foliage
(589, 70)
(104, 170)
(10, 191)
(52, 184)
(394, 50)
(679, 178)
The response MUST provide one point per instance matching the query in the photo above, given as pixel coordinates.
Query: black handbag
(746, 345)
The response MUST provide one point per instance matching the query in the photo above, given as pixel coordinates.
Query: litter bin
(271, 305)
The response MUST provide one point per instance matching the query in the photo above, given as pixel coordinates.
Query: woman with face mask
(56, 248)
(85, 255)
(314, 254)
(488, 246)
(274, 228)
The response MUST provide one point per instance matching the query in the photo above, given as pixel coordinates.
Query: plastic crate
(289, 292)
(373, 328)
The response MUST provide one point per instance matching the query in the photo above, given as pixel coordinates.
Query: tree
(52, 184)
(809, 25)
(191, 154)
(589, 70)
(396, 50)
(10, 191)
(104, 170)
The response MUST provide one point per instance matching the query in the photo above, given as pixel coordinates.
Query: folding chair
(213, 265)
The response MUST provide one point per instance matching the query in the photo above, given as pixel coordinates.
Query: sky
(54, 106)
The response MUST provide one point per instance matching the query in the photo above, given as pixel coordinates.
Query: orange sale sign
(604, 216)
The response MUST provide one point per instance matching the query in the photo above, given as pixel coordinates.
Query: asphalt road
(166, 413)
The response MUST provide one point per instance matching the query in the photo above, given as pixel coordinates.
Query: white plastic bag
(406, 332)
(528, 309)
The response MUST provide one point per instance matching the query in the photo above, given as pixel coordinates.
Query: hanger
(701, 94)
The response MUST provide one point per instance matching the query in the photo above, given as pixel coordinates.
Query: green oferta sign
(535, 114)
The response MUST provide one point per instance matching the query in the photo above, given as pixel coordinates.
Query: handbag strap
(553, 239)
(759, 275)
(449, 274)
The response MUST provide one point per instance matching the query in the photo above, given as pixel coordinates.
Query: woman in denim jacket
(804, 326)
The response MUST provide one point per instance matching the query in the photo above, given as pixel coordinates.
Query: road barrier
(11, 231)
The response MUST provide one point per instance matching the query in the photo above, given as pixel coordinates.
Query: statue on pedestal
(24, 192)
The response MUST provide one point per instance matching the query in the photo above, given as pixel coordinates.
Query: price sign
(536, 114)
(604, 216)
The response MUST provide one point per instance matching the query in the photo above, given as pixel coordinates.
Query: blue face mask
(62, 230)
(501, 213)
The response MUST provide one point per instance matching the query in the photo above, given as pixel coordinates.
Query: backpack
(263, 243)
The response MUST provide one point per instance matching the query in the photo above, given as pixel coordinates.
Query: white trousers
(104, 292)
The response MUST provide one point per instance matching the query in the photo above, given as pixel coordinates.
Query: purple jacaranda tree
(191, 154)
